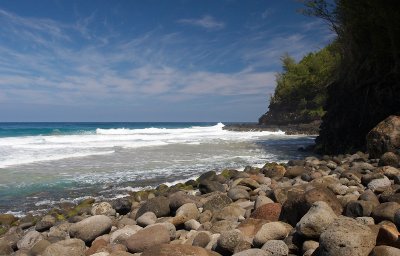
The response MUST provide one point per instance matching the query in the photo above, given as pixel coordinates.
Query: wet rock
(346, 237)
(122, 205)
(29, 240)
(103, 208)
(388, 234)
(177, 250)
(147, 238)
(146, 219)
(385, 211)
(268, 212)
(7, 219)
(275, 172)
(276, 248)
(158, 205)
(90, 228)
(316, 220)
(208, 186)
(272, 231)
(210, 175)
(180, 198)
(294, 171)
(45, 223)
(70, 247)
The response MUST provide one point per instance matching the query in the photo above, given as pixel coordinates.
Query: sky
(153, 60)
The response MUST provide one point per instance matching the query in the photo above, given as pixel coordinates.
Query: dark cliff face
(367, 89)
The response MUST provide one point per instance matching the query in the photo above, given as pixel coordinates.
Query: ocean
(45, 163)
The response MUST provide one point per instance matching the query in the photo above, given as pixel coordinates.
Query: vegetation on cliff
(301, 88)
(367, 86)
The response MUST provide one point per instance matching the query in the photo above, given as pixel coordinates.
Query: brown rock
(385, 211)
(294, 171)
(178, 250)
(384, 250)
(7, 219)
(99, 245)
(268, 212)
(250, 227)
(388, 235)
(384, 137)
(147, 238)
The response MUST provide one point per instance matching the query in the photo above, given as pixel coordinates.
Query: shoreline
(231, 211)
(289, 129)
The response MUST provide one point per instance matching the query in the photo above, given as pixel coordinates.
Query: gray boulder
(70, 247)
(346, 237)
(316, 220)
(159, 205)
(90, 228)
(147, 238)
(276, 248)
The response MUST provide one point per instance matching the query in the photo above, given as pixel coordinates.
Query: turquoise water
(45, 163)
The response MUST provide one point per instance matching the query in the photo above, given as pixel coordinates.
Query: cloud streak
(207, 22)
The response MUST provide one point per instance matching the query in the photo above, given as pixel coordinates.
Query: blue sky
(161, 60)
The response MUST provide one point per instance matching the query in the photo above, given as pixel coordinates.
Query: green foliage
(301, 87)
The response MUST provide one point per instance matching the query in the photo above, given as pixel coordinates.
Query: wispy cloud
(40, 62)
(207, 22)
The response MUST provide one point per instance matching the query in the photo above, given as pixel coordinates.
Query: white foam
(31, 149)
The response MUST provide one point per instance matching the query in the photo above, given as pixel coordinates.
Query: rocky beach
(328, 205)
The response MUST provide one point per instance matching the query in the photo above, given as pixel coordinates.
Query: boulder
(147, 238)
(90, 228)
(120, 235)
(189, 210)
(177, 250)
(217, 202)
(276, 248)
(208, 186)
(231, 212)
(390, 158)
(359, 208)
(40, 247)
(45, 223)
(294, 171)
(316, 220)
(268, 212)
(238, 193)
(122, 205)
(180, 198)
(346, 237)
(384, 137)
(7, 219)
(102, 208)
(201, 239)
(249, 227)
(261, 200)
(384, 250)
(272, 231)
(379, 184)
(253, 252)
(192, 225)
(223, 225)
(70, 247)
(158, 205)
(385, 211)
(29, 240)
(146, 219)
(230, 239)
